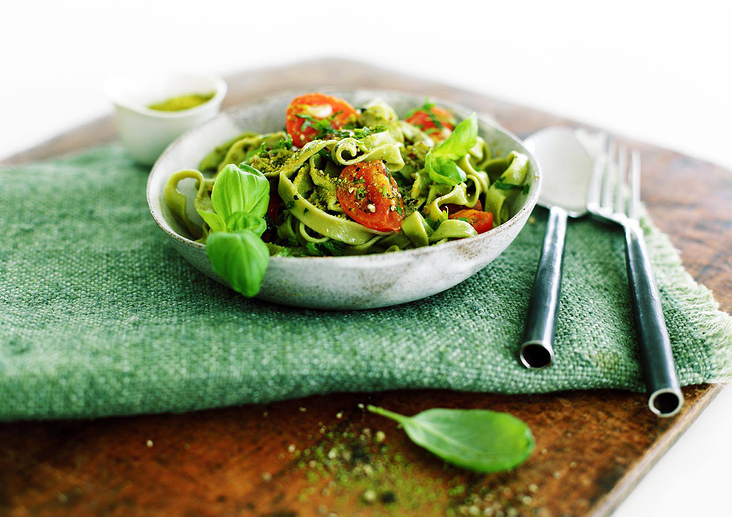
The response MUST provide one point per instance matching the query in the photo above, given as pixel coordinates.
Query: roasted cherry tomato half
(438, 122)
(369, 195)
(481, 221)
(309, 114)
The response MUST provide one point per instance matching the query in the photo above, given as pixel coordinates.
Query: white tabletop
(657, 70)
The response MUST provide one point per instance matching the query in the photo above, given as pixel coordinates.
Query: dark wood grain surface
(324, 455)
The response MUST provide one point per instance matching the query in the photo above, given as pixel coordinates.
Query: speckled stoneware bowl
(360, 282)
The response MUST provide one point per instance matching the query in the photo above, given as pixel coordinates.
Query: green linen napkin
(100, 316)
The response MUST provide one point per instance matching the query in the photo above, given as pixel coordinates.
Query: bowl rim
(220, 87)
(379, 258)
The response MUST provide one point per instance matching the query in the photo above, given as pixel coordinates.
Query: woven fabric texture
(100, 316)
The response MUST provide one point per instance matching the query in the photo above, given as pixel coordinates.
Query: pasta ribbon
(349, 151)
(506, 187)
(239, 150)
(479, 155)
(453, 229)
(214, 158)
(313, 217)
(177, 202)
(417, 230)
(457, 196)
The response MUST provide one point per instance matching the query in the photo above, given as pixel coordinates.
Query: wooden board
(324, 455)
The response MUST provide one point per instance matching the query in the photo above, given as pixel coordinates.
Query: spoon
(566, 167)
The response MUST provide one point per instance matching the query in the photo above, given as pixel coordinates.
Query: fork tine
(594, 188)
(635, 172)
(607, 192)
(621, 179)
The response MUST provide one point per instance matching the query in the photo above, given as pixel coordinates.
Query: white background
(658, 71)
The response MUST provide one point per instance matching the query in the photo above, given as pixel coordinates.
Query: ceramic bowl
(355, 282)
(146, 133)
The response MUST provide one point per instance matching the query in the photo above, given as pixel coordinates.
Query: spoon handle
(537, 349)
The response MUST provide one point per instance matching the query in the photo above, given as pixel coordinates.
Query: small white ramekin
(144, 132)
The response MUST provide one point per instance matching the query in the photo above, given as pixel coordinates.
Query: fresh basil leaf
(463, 139)
(443, 170)
(240, 189)
(439, 162)
(204, 207)
(243, 221)
(240, 258)
(475, 439)
(214, 220)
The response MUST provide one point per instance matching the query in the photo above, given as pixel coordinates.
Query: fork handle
(657, 360)
(537, 349)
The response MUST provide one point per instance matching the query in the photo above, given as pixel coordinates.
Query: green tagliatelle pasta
(506, 187)
(348, 181)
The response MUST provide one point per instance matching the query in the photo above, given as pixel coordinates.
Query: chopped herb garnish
(322, 249)
(335, 247)
(313, 249)
(433, 224)
(290, 205)
(263, 149)
(321, 125)
(434, 119)
(427, 106)
(502, 185)
(283, 143)
(355, 133)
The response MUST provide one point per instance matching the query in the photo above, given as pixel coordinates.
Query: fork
(614, 198)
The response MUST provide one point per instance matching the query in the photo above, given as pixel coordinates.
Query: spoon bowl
(566, 167)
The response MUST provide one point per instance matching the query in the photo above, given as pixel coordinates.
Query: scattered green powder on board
(364, 467)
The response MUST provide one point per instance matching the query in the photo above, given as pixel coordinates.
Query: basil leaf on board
(240, 258)
(240, 189)
(243, 221)
(443, 170)
(476, 439)
(463, 139)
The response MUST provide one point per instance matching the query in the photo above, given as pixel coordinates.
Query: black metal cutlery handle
(537, 349)
(659, 370)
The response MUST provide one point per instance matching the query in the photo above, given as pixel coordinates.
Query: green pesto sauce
(183, 102)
